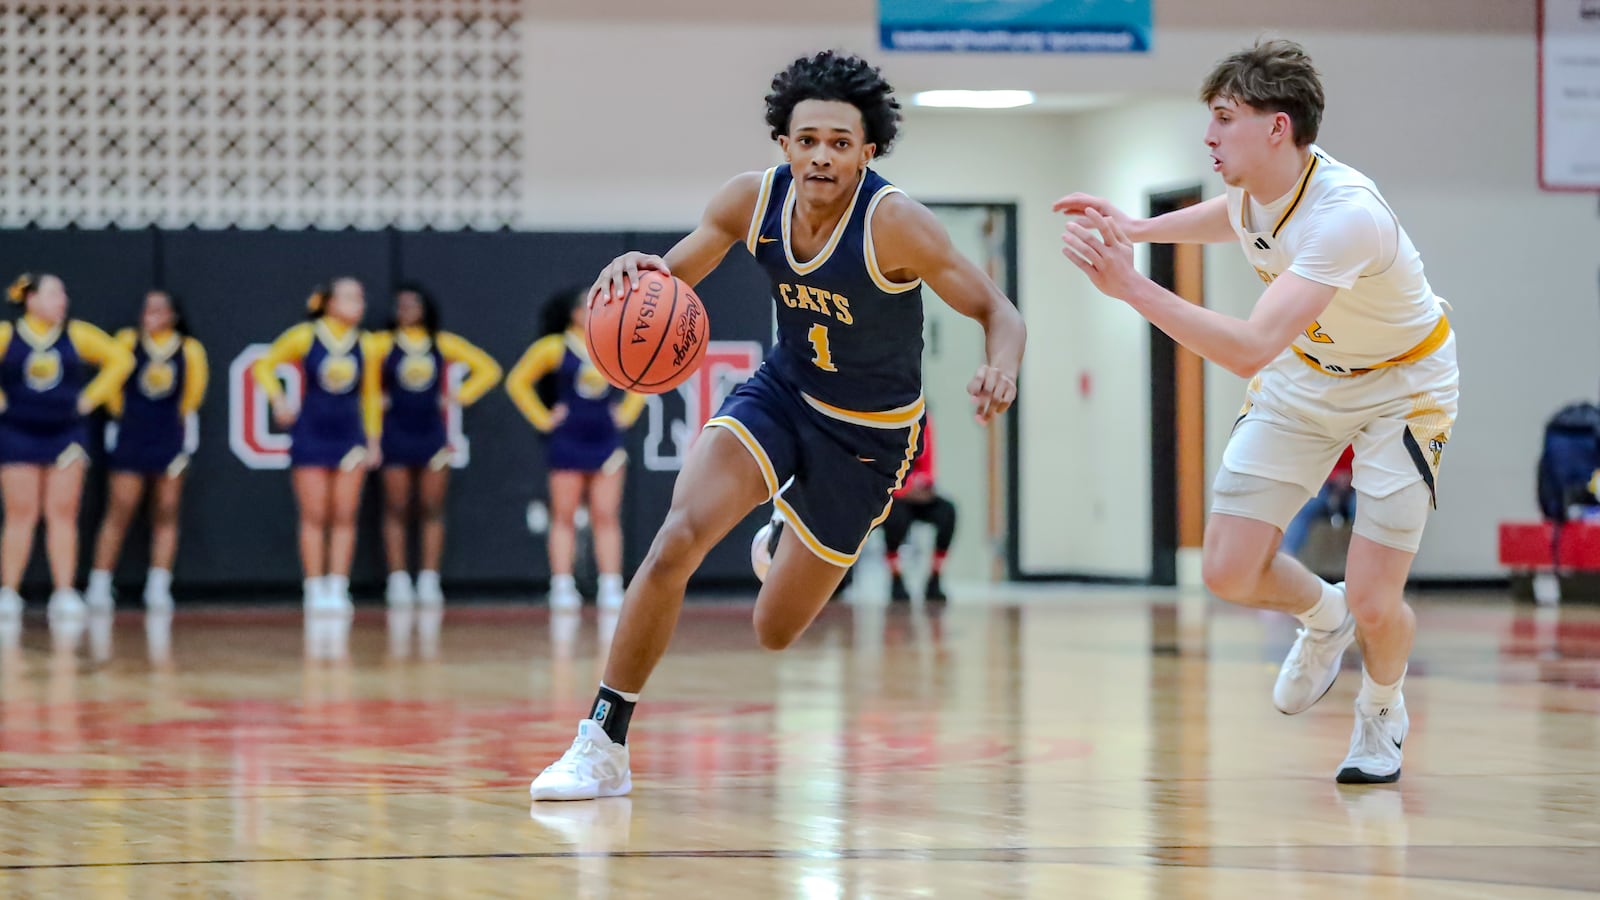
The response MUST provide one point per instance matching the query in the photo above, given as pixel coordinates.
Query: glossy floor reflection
(1063, 742)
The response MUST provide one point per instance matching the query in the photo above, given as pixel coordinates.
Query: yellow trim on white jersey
(1434, 340)
(1288, 211)
(900, 417)
(762, 199)
(768, 473)
(878, 278)
(833, 239)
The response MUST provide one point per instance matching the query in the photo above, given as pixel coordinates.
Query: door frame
(1166, 484)
(1005, 489)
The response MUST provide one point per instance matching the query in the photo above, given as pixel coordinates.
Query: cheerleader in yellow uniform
(46, 395)
(333, 432)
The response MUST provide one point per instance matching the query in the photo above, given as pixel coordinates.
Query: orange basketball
(652, 340)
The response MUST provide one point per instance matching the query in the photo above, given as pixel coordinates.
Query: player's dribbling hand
(617, 279)
(993, 391)
(1104, 253)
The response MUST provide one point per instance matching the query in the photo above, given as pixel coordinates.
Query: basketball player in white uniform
(1347, 346)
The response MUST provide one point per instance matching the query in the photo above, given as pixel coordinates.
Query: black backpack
(1569, 461)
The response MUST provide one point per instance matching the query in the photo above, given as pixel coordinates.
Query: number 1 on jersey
(819, 348)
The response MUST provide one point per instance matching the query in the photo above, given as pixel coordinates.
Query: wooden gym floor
(1063, 742)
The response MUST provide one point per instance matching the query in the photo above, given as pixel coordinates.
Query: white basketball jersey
(1334, 228)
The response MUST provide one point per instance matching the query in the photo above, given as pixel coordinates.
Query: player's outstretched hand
(993, 391)
(1104, 253)
(1080, 204)
(618, 278)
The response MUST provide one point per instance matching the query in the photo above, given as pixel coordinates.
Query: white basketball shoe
(1311, 667)
(593, 767)
(1375, 746)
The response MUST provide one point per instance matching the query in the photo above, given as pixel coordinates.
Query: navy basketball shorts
(831, 472)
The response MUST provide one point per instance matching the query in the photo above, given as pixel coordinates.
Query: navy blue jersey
(152, 397)
(591, 401)
(331, 406)
(848, 337)
(42, 376)
(413, 381)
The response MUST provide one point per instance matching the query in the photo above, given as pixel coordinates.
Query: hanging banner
(1015, 26)
(1569, 95)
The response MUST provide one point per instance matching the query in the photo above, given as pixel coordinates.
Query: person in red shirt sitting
(1335, 502)
(916, 501)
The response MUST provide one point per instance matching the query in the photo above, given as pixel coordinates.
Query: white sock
(1329, 612)
(563, 583)
(158, 581)
(428, 578)
(1375, 698)
(337, 585)
(399, 578)
(631, 698)
(99, 580)
(313, 586)
(610, 584)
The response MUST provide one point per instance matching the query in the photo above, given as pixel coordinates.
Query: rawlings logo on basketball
(651, 341)
(688, 335)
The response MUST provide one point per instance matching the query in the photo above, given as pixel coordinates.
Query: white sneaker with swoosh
(1375, 746)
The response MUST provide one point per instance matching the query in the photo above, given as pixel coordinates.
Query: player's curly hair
(837, 76)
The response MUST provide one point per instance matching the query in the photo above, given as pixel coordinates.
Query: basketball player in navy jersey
(828, 426)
